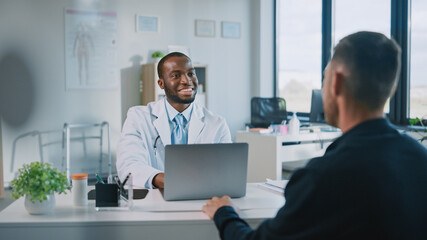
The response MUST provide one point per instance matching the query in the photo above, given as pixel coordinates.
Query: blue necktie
(179, 135)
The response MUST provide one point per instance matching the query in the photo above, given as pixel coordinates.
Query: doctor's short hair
(165, 58)
(373, 62)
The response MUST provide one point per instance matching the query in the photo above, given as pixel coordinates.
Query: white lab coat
(136, 151)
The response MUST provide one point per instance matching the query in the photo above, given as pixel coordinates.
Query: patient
(371, 182)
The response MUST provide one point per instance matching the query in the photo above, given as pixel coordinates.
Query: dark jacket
(370, 184)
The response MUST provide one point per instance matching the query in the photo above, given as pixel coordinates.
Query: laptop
(201, 171)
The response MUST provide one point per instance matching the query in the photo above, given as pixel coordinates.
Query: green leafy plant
(37, 180)
(157, 54)
(414, 122)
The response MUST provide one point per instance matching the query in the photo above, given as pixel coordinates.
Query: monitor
(316, 114)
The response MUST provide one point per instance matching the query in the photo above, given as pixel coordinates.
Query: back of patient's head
(373, 63)
(165, 58)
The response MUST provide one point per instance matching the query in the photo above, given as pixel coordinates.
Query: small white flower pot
(40, 208)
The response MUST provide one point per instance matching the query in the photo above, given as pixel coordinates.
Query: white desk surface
(149, 217)
(303, 136)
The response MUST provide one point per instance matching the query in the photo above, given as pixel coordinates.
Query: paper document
(277, 186)
(261, 130)
(277, 183)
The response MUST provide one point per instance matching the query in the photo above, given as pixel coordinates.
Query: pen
(119, 184)
(123, 198)
(124, 182)
(99, 178)
(117, 179)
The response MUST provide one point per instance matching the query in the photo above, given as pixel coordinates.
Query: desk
(270, 154)
(150, 219)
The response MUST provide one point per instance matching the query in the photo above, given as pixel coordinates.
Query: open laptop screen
(201, 171)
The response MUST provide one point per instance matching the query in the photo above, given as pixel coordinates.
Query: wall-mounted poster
(90, 49)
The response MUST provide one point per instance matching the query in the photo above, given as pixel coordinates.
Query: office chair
(265, 111)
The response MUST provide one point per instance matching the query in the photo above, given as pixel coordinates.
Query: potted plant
(157, 55)
(416, 121)
(38, 181)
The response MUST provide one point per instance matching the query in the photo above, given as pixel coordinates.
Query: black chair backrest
(265, 111)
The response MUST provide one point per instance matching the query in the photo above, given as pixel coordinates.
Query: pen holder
(107, 195)
(127, 192)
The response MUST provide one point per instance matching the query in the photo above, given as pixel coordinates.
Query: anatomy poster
(90, 49)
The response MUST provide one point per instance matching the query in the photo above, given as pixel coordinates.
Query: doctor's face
(179, 80)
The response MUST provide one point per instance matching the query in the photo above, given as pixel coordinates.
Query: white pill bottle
(79, 189)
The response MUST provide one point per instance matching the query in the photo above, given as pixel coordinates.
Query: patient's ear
(161, 83)
(338, 81)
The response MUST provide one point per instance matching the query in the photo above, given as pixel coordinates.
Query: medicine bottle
(79, 189)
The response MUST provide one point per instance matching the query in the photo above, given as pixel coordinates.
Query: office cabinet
(274, 156)
(152, 92)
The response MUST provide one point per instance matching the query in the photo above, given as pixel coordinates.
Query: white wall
(34, 31)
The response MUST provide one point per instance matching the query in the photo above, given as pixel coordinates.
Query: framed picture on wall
(147, 23)
(205, 28)
(230, 29)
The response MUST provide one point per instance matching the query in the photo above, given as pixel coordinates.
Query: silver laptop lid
(201, 171)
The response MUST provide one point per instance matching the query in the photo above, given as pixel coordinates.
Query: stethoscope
(155, 142)
(155, 145)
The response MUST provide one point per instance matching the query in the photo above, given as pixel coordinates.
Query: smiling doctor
(175, 119)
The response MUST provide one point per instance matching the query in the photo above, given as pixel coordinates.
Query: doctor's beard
(175, 98)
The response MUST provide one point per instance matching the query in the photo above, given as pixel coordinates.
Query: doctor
(174, 119)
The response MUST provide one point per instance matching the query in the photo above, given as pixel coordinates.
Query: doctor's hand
(214, 204)
(159, 180)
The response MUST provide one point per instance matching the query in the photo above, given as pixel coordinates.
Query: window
(302, 41)
(298, 41)
(418, 60)
(362, 15)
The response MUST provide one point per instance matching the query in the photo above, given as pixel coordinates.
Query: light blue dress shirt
(172, 112)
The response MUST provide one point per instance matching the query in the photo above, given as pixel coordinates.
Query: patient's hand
(159, 180)
(214, 204)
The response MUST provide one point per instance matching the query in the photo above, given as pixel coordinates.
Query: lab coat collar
(162, 122)
(196, 124)
(172, 112)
